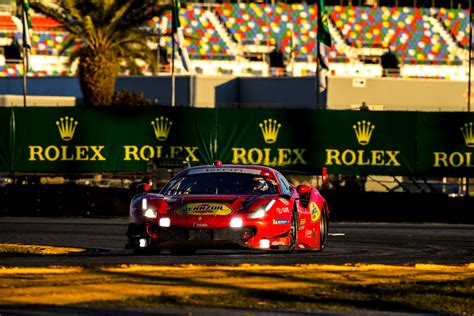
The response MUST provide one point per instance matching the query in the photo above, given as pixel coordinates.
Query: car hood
(211, 205)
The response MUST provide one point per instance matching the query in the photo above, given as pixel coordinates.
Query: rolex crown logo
(270, 130)
(468, 134)
(363, 132)
(161, 126)
(67, 127)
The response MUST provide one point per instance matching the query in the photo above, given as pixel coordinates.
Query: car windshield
(221, 183)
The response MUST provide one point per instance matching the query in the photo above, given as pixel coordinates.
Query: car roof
(230, 168)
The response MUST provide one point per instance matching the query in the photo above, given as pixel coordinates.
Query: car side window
(285, 186)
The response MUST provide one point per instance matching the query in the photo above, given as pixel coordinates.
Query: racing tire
(323, 230)
(183, 251)
(293, 231)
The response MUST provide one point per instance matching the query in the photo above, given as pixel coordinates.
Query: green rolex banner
(86, 140)
(6, 149)
(345, 141)
(446, 144)
(69, 140)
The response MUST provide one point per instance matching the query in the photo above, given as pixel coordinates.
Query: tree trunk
(97, 74)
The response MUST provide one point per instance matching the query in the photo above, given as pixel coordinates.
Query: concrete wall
(398, 94)
(229, 91)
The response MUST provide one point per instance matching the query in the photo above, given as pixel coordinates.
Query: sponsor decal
(457, 159)
(277, 243)
(308, 233)
(282, 210)
(315, 212)
(204, 209)
(199, 225)
(284, 201)
(280, 221)
(348, 157)
(302, 222)
(227, 170)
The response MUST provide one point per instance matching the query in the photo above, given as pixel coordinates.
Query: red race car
(221, 206)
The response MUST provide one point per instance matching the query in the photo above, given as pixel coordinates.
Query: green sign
(82, 140)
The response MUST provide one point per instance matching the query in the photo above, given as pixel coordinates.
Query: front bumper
(202, 238)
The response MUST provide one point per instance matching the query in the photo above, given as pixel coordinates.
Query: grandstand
(237, 38)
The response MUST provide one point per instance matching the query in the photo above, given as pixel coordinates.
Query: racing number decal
(315, 212)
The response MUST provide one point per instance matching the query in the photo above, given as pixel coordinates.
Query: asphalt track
(348, 243)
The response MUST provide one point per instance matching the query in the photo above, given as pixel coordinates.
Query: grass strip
(419, 288)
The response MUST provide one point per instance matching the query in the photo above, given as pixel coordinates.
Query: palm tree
(104, 34)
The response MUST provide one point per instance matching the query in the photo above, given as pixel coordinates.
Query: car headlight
(236, 222)
(165, 222)
(150, 213)
(261, 211)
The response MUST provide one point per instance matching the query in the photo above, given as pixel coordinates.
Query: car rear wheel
(323, 230)
(293, 231)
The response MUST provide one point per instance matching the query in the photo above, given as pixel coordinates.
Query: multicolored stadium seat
(403, 29)
(6, 23)
(201, 37)
(51, 43)
(410, 32)
(42, 23)
(13, 70)
(292, 26)
(457, 22)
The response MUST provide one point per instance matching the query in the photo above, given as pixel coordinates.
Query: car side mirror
(303, 189)
(143, 187)
(324, 175)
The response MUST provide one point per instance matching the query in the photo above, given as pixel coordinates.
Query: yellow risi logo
(161, 127)
(269, 156)
(348, 157)
(457, 159)
(363, 131)
(67, 127)
(270, 130)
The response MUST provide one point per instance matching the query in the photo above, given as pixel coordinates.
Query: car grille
(220, 234)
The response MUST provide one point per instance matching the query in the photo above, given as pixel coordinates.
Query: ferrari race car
(219, 206)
